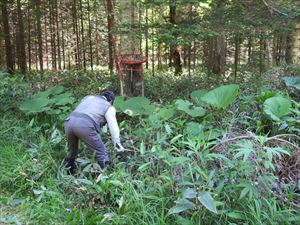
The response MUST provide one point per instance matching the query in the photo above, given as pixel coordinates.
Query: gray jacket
(95, 107)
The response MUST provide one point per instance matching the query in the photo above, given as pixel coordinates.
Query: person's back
(95, 107)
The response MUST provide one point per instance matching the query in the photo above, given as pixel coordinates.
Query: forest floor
(194, 158)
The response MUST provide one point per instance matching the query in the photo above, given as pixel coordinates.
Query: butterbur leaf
(292, 82)
(166, 113)
(34, 105)
(207, 201)
(195, 129)
(196, 95)
(47, 101)
(277, 107)
(55, 90)
(137, 106)
(186, 106)
(182, 205)
(118, 103)
(221, 97)
(63, 99)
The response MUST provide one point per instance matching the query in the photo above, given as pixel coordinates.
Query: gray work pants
(82, 128)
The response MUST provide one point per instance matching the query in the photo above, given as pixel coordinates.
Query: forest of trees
(208, 112)
(83, 34)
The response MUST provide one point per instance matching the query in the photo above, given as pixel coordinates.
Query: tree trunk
(7, 38)
(236, 54)
(147, 38)
(175, 52)
(82, 35)
(261, 59)
(29, 36)
(111, 39)
(53, 34)
(90, 36)
(57, 34)
(39, 33)
(189, 59)
(249, 49)
(159, 61)
(75, 34)
(21, 40)
(46, 44)
(288, 51)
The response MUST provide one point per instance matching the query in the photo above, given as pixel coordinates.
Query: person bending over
(84, 123)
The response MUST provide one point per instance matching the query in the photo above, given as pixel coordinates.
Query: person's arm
(113, 127)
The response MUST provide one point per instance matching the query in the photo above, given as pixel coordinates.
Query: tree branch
(276, 10)
(285, 142)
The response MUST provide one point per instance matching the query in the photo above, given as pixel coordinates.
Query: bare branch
(284, 142)
(276, 10)
(231, 140)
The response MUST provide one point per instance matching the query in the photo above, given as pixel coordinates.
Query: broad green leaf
(118, 103)
(186, 106)
(182, 205)
(166, 113)
(292, 82)
(137, 106)
(277, 107)
(194, 129)
(197, 95)
(49, 92)
(34, 105)
(55, 90)
(63, 99)
(189, 193)
(221, 97)
(47, 101)
(266, 94)
(207, 201)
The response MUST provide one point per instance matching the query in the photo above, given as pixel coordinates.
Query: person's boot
(70, 166)
(103, 165)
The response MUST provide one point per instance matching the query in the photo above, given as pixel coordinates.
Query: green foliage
(185, 106)
(197, 95)
(221, 97)
(51, 101)
(292, 82)
(207, 201)
(180, 168)
(12, 91)
(182, 205)
(277, 107)
(134, 106)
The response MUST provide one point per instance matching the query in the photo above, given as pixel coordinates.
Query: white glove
(119, 147)
(104, 129)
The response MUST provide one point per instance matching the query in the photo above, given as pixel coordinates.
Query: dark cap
(109, 95)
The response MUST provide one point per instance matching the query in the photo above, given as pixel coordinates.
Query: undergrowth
(218, 168)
